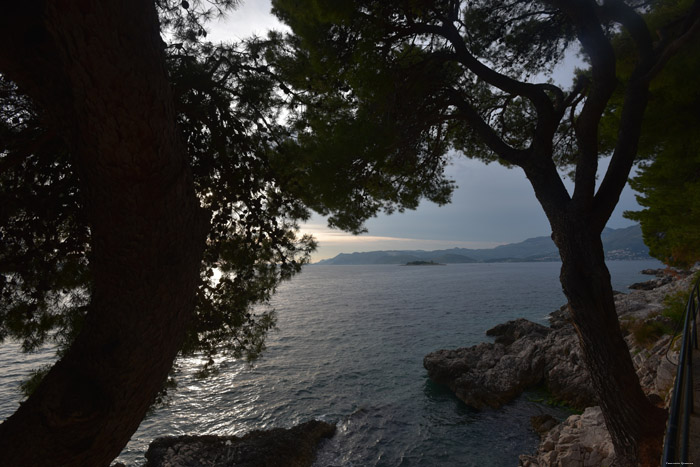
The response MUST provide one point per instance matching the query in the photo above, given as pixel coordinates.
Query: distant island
(618, 244)
(423, 263)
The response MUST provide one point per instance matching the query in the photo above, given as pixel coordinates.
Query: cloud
(250, 18)
(333, 242)
(493, 205)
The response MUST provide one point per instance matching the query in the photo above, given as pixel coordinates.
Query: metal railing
(676, 443)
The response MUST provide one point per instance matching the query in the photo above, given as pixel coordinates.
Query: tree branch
(541, 171)
(603, 83)
(634, 105)
(486, 133)
(30, 59)
(622, 13)
(624, 155)
(533, 92)
(668, 48)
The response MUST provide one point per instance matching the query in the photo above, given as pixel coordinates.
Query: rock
(566, 376)
(663, 277)
(583, 440)
(293, 447)
(491, 374)
(652, 284)
(524, 354)
(661, 272)
(543, 423)
(509, 332)
(560, 318)
(579, 441)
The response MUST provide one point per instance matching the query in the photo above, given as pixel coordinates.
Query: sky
(491, 206)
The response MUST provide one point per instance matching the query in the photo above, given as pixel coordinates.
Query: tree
(669, 180)
(670, 194)
(395, 84)
(146, 225)
(130, 170)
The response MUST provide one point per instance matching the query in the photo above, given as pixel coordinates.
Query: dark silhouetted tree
(131, 170)
(384, 88)
(669, 179)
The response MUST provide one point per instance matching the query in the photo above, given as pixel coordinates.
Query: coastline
(525, 354)
(204, 406)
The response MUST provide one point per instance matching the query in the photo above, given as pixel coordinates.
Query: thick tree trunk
(634, 423)
(97, 71)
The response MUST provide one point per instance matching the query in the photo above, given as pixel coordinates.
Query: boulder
(543, 423)
(278, 447)
(509, 332)
(492, 374)
(579, 441)
(524, 354)
(566, 376)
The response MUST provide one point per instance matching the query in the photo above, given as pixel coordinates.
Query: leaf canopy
(228, 108)
(668, 182)
(384, 91)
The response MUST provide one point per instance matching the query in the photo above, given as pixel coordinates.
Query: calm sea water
(349, 349)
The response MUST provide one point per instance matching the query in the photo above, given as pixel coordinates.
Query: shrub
(675, 303)
(646, 331)
(674, 306)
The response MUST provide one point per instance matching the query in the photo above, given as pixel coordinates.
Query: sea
(348, 349)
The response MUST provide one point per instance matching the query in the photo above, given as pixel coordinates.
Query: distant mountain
(618, 244)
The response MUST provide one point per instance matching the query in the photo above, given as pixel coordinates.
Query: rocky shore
(522, 354)
(525, 354)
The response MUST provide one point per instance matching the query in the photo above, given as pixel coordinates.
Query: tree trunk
(97, 71)
(632, 420)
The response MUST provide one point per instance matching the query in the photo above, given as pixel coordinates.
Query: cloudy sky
(491, 206)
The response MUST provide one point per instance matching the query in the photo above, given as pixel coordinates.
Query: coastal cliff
(525, 354)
